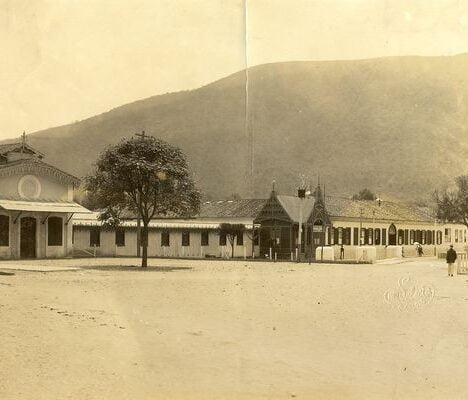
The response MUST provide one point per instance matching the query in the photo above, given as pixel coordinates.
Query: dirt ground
(233, 330)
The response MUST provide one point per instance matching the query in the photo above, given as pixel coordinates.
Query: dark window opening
(204, 238)
(120, 237)
(55, 231)
(95, 237)
(185, 238)
(240, 239)
(4, 230)
(222, 239)
(165, 239)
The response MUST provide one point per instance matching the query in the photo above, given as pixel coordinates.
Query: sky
(66, 60)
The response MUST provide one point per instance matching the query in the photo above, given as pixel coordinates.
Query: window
(363, 236)
(400, 236)
(411, 236)
(429, 237)
(456, 235)
(377, 236)
(439, 237)
(447, 235)
(222, 239)
(370, 238)
(165, 239)
(185, 238)
(204, 238)
(240, 239)
(347, 236)
(406, 236)
(95, 236)
(54, 231)
(340, 236)
(423, 237)
(384, 237)
(4, 230)
(356, 236)
(120, 237)
(332, 235)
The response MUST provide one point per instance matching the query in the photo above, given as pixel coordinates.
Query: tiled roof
(245, 208)
(293, 204)
(342, 207)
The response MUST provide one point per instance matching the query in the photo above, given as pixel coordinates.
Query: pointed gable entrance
(319, 222)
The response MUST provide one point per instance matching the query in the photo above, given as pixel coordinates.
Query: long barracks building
(272, 229)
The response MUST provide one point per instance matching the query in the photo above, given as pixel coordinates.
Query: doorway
(392, 235)
(28, 237)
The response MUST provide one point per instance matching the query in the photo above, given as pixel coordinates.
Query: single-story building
(272, 229)
(36, 205)
(173, 237)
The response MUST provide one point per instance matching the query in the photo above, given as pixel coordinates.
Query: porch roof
(43, 206)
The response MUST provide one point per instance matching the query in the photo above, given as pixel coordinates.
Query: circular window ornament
(29, 187)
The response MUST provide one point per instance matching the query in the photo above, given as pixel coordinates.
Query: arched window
(423, 237)
(4, 230)
(439, 237)
(54, 231)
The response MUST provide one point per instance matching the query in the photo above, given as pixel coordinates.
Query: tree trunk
(144, 244)
(232, 247)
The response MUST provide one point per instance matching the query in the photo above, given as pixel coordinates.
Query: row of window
(459, 235)
(54, 231)
(377, 236)
(165, 239)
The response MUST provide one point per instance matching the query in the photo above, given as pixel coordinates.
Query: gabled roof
(292, 205)
(245, 208)
(342, 207)
(9, 147)
(34, 165)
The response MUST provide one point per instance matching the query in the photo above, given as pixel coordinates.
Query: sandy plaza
(196, 329)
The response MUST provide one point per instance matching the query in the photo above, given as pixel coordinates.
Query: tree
(231, 231)
(452, 205)
(364, 194)
(144, 175)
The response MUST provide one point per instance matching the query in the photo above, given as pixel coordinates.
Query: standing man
(341, 252)
(451, 257)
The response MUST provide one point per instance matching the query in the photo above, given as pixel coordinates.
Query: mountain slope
(396, 125)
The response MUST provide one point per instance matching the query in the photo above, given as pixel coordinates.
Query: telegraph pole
(143, 136)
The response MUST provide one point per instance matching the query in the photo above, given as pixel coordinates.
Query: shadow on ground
(134, 268)
(6, 273)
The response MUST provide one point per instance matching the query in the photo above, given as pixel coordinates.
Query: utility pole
(301, 195)
(143, 136)
(360, 227)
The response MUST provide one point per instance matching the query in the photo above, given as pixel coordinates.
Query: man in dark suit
(450, 258)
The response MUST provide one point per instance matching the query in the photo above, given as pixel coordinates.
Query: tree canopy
(452, 205)
(231, 231)
(364, 194)
(146, 176)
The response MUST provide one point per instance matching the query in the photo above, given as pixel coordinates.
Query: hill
(398, 126)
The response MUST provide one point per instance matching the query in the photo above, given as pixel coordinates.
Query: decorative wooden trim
(38, 167)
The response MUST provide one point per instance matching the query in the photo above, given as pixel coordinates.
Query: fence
(462, 263)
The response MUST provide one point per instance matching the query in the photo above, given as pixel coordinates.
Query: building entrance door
(392, 235)
(28, 237)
